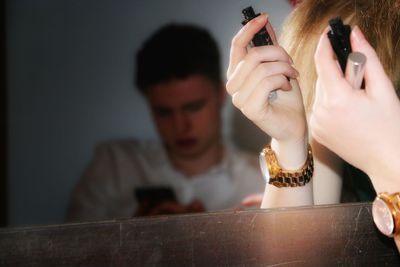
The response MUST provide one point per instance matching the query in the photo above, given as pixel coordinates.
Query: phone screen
(154, 194)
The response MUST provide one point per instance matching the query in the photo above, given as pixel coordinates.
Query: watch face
(382, 217)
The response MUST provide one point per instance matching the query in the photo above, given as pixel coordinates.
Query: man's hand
(169, 207)
(252, 201)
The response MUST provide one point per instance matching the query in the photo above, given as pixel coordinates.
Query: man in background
(191, 168)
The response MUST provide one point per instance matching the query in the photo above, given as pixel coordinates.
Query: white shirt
(106, 189)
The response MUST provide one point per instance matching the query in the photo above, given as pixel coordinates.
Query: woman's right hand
(255, 72)
(361, 126)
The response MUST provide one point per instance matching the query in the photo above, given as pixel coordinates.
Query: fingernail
(262, 16)
(358, 35)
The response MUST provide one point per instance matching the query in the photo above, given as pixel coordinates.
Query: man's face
(187, 114)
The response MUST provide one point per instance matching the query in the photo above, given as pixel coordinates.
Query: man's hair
(378, 20)
(177, 51)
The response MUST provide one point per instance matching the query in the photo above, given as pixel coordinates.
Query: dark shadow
(3, 124)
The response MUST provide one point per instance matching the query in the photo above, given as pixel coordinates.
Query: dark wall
(3, 121)
(70, 74)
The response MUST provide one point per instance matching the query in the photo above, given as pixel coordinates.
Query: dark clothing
(357, 186)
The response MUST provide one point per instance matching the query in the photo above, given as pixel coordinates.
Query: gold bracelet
(273, 173)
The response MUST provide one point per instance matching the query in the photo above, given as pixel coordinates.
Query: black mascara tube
(339, 37)
(260, 38)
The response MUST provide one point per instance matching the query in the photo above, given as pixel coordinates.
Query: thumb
(376, 79)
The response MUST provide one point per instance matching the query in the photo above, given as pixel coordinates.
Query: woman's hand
(253, 74)
(361, 126)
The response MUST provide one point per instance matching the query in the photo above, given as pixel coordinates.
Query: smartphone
(152, 195)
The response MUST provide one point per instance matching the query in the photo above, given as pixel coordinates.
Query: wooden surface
(342, 235)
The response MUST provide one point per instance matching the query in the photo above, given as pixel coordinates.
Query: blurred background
(69, 84)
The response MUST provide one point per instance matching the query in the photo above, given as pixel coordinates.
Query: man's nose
(181, 122)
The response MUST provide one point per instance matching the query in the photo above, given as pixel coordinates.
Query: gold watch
(386, 213)
(275, 175)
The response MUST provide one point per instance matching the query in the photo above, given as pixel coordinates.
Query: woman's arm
(253, 74)
(362, 126)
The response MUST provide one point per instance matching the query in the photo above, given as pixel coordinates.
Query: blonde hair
(379, 20)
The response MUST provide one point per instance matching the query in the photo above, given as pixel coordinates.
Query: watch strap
(284, 178)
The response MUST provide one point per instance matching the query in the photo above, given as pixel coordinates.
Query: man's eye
(194, 107)
(162, 112)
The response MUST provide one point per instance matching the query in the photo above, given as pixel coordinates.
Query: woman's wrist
(291, 155)
(386, 179)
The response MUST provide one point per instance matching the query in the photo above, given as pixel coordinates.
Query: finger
(329, 73)
(255, 57)
(143, 209)
(256, 105)
(252, 200)
(271, 32)
(261, 72)
(375, 76)
(168, 207)
(242, 39)
(277, 67)
(195, 206)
